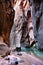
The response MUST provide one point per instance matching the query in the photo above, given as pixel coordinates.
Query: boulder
(4, 49)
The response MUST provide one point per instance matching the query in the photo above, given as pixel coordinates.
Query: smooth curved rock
(4, 49)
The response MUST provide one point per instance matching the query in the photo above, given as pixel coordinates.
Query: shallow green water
(33, 51)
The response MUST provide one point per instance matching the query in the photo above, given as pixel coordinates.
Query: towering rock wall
(6, 19)
(7, 14)
(37, 19)
(22, 26)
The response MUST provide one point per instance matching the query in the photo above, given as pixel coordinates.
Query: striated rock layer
(37, 19)
(25, 12)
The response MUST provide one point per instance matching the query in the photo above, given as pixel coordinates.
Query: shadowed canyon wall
(6, 19)
(37, 19)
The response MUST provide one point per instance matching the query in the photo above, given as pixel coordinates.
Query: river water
(33, 51)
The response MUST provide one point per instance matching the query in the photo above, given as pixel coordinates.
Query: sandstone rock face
(21, 30)
(22, 25)
(6, 19)
(37, 18)
(16, 32)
